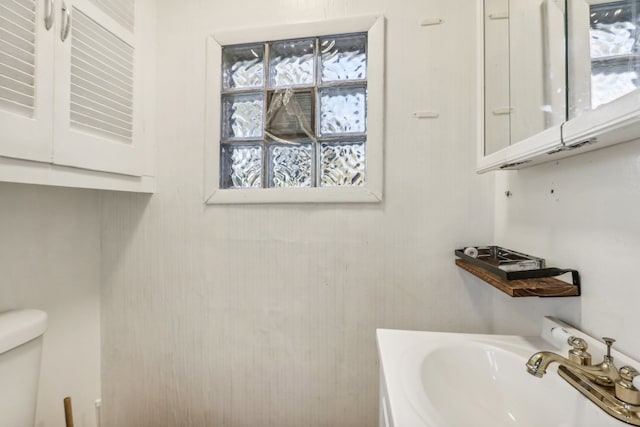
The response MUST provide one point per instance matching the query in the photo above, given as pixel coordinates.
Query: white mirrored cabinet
(558, 78)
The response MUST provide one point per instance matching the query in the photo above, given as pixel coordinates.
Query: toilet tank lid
(20, 326)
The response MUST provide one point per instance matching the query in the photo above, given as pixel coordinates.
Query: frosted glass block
(614, 29)
(612, 39)
(242, 116)
(343, 58)
(290, 165)
(342, 164)
(240, 166)
(292, 63)
(342, 110)
(611, 85)
(243, 67)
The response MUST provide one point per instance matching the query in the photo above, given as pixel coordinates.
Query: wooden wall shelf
(541, 287)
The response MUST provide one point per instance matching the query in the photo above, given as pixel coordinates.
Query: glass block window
(294, 113)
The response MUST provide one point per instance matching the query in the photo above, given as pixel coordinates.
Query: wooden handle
(68, 413)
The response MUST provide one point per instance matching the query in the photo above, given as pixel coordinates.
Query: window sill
(295, 195)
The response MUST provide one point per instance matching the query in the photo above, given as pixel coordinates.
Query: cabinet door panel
(26, 81)
(94, 122)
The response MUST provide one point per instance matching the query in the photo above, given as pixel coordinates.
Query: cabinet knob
(66, 21)
(49, 15)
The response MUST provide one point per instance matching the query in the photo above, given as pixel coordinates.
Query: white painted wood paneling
(266, 315)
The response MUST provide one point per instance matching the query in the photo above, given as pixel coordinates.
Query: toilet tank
(20, 350)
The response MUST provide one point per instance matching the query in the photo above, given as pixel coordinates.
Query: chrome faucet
(611, 389)
(604, 373)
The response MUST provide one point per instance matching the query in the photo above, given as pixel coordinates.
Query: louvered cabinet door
(95, 114)
(26, 81)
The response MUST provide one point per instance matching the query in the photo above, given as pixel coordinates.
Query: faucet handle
(625, 389)
(609, 342)
(578, 353)
(577, 343)
(628, 373)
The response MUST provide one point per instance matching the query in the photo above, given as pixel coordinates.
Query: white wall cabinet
(76, 92)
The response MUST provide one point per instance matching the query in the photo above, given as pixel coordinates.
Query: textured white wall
(584, 213)
(50, 260)
(266, 315)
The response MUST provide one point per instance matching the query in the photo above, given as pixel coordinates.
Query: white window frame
(372, 190)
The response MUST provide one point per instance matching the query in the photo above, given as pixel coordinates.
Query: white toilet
(20, 349)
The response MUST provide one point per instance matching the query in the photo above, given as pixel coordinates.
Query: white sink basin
(489, 386)
(458, 380)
